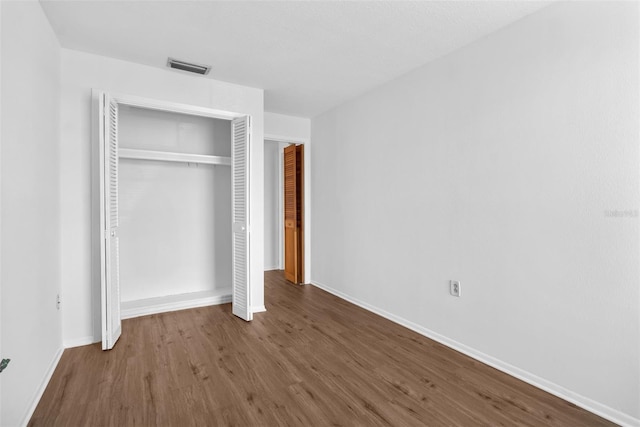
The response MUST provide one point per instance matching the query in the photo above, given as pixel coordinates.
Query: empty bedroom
(319, 213)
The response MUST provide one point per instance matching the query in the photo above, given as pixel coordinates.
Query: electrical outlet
(454, 288)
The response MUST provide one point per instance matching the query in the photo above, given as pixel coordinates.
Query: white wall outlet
(454, 288)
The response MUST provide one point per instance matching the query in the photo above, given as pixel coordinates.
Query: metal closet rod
(132, 153)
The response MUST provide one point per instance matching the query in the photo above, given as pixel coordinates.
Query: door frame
(97, 220)
(307, 199)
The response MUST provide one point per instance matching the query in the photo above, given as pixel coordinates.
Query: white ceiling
(307, 56)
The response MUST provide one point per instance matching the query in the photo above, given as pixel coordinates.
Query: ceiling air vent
(186, 66)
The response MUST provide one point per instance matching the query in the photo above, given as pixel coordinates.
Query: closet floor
(129, 309)
(311, 359)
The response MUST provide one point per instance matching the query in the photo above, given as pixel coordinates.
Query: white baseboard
(590, 405)
(145, 307)
(258, 309)
(78, 342)
(42, 388)
(272, 268)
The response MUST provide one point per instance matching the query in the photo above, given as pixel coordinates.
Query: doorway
(274, 212)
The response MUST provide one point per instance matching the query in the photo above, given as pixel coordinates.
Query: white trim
(132, 153)
(79, 342)
(258, 309)
(174, 107)
(98, 107)
(590, 405)
(97, 220)
(131, 309)
(281, 206)
(280, 190)
(43, 387)
(285, 139)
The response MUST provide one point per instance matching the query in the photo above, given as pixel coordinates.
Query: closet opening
(171, 208)
(175, 211)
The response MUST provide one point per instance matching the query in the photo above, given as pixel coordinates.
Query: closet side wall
(175, 218)
(272, 202)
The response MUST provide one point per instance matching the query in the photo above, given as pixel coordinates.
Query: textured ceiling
(307, 56)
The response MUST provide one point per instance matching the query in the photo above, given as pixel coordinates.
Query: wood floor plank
(311, 359)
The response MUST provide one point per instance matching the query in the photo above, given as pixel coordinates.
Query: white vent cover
(187, 66)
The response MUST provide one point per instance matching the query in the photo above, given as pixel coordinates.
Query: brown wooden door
(294, 213)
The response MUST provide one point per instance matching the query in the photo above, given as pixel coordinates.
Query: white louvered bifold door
(240, 215)
(111, 323)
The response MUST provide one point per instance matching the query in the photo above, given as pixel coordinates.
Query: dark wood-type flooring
(311, 360)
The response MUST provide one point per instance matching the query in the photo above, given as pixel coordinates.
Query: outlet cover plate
(454, 288)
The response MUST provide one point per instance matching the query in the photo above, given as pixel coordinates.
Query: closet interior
(175, 210)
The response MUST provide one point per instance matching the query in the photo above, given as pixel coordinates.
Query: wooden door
(294, 213)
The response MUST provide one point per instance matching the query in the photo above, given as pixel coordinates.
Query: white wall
(281, 126)
(175, 218)
(80, 73)
(30, 168)
(512, 166)
(1, 353)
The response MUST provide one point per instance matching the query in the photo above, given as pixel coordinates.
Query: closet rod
(132, 153)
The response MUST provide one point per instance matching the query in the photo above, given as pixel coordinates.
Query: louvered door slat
(240, 215)
(290, 215)
(113, 164)
(111, 323)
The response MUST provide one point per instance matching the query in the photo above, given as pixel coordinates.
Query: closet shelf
(132, 153)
